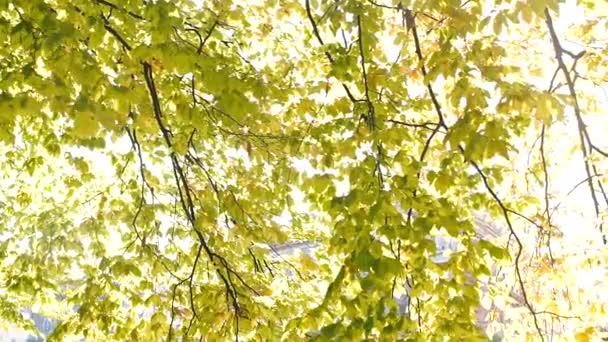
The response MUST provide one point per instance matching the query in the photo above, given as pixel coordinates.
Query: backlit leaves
(164, 163)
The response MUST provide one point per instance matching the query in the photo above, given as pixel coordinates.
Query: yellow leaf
(307, 262)
(183, 311)
(585, 335)
(85, 125)
(543, 108)
(265, 291)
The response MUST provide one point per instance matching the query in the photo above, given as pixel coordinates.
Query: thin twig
(505, 212)
(371, 115)
(582, 129)
(185, 195)
(315, 30)
(113, 6)
(428, 125)
(546, 190)
(411, 25)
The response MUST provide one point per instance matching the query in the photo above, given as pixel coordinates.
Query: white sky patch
(364, 150)
(284, 219)
(304, 166)
(299, 200)
(122, 144)
(239, 154)
(342, 186)
(41, 68)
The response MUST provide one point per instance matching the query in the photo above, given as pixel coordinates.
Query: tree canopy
(157, 154)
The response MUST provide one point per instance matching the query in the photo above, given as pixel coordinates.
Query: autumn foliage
(286, 170)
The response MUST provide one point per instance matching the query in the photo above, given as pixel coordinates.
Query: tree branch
(582, 129)
(411, 25)
(315, 30)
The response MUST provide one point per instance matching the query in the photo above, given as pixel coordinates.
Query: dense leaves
(159, 158)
